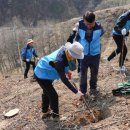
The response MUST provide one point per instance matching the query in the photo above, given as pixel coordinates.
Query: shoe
(123, 69)
(46, 115)
(56, 119)
(94, 92)
(33, 79)
(25, 77)
(105, 59)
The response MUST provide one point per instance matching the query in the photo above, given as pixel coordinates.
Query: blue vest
(123, 21)
(45, 71)
(126, 26)
(90, 47)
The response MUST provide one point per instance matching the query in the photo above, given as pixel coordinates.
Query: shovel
(84, 100)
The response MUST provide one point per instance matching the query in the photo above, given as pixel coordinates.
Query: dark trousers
(121, 48)
(49, 96)
(91, 62)
(28, 67)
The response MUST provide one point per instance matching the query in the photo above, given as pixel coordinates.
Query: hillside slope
(25, 95)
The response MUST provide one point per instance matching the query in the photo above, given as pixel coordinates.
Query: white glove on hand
(79, 94)
(27, 60)
(123, 31)
(38, 58)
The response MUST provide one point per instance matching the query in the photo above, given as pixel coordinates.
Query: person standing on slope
(27, 52)
(89, 35)
(119, 33)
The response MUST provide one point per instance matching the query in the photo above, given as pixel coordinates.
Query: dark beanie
(89, 16)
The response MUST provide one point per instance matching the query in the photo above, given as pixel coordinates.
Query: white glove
(123, 31)
(27, 60)
(79, 94)
(38, 58)
(77, 24)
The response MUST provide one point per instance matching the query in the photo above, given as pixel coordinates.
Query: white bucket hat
(29, 41)
(75, 50)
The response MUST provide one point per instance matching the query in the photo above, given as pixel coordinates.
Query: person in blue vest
(119, 33)
(53, 67)
(89, 34)
(28, 54)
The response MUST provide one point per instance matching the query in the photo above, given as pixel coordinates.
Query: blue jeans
(91, 62)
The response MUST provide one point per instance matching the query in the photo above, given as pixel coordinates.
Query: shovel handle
(84, 100)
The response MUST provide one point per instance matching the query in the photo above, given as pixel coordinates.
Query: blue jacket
(91, 44)
(123, 21)
(30, 51)
(54, 66)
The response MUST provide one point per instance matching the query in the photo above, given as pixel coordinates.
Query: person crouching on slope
(52, 67)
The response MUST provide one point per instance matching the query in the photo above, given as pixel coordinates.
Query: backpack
(23, 53)
(123, 89)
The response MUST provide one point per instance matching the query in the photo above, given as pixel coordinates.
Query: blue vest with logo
(90, 47)
(45, 71)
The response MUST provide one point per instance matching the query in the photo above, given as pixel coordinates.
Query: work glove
(69, 75)
(27, 60)
(38, 58)
(79, 94)
(123, 32)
